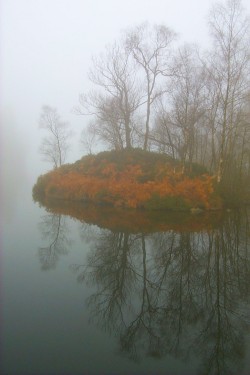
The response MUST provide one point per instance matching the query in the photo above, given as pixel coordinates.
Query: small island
(177, 120)
(131, 178)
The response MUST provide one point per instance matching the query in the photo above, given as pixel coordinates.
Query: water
(102, 291)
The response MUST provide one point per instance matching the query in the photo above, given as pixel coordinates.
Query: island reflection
(169, 284)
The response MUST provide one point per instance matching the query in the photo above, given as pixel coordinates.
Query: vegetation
(191, 108)
(132, 179)
(191, 104)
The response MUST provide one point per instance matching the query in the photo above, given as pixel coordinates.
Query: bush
(129, 178)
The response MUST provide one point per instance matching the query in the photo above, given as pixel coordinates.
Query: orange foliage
(123, 188)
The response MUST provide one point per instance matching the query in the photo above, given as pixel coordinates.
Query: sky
(45, 54)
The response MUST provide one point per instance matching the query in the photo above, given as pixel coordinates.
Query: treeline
(149, 92)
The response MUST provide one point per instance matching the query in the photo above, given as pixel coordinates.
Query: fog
(46, 49)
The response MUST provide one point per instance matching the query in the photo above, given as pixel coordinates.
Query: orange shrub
(127, 185)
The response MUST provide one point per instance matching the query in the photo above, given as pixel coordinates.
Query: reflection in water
(179, 293)
(55, 230)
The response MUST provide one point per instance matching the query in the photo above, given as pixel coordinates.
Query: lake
(87, 290)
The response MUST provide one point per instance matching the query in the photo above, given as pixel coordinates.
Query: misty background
(46, 49)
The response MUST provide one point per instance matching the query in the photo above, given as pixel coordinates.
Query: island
(131, 178)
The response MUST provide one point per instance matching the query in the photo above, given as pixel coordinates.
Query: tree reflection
(55, 230)
(226, 297)
(110, 267)
(179, 293)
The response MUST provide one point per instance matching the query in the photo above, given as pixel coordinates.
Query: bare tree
(150, 48)
(55, 145)
(180, 115)
(88, 139)
(115, 98)
(203, 117)
(229, 73)
(128, 78)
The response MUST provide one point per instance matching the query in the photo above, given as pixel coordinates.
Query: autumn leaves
(131, 185)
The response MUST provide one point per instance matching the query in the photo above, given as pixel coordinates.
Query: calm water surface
(98, 291)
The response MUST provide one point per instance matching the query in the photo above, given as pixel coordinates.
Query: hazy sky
(46, 48)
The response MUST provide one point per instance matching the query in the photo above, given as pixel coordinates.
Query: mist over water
(128, 293)
(80, 293)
